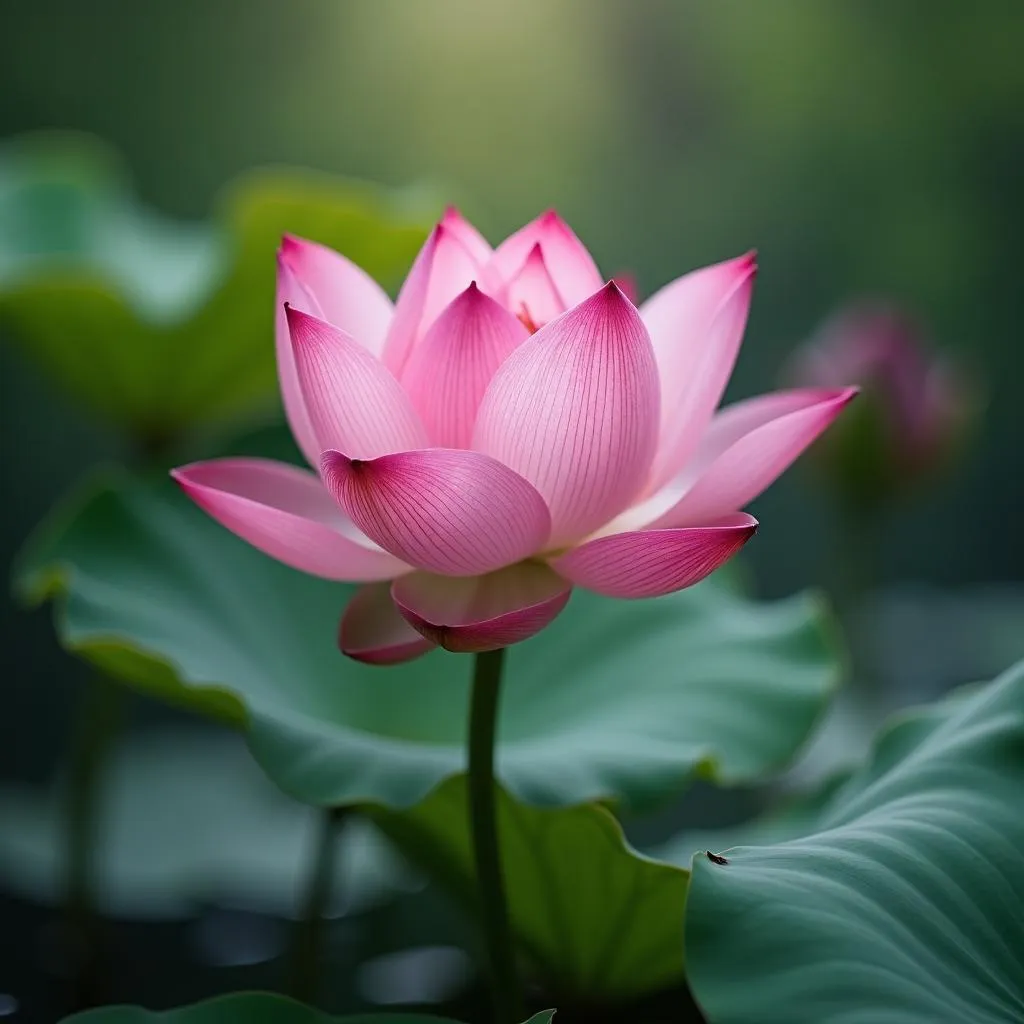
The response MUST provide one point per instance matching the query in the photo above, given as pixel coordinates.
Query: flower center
(526, 320)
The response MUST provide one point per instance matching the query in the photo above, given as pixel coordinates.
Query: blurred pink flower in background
(915, 408)
(510, 428)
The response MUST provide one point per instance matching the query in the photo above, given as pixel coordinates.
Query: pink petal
(696, 325)
(353, 402)
(448, 372)
(454, 512)
(288, 514)
(473, 242)
(649, 563)
(628, 286)
(346, 295)
(575, 411)
(443, 269)
(531, 294)
(372, 630)
(572, 268)
(745, 448)
(482, 613)
(290, 292)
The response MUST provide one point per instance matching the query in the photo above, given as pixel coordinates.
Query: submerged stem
(307, 950)
(97, 726)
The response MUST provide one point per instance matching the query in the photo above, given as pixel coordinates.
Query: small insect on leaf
(715, 858)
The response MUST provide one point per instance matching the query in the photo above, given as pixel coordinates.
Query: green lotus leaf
(159, 325)
(255, 1008)
(617, 700)
(597, 920)
(902, 900)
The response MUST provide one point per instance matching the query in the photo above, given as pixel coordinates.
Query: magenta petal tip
(333, 461)
(297, 316)
(612, 290)
(297, 319)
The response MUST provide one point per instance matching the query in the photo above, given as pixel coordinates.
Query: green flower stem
(483, 719)
(307, 950)
(856, 558)
(96, 728)
(855, 578)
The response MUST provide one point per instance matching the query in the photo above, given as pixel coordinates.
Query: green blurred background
(863, 147)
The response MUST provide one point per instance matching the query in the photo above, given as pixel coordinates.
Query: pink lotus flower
(917, 405)
(512, 427)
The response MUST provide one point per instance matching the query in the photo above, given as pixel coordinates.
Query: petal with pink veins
(696, 325)
(373, 631)
(649, 563)
(286, 513)
(449, 511)
(746, 447)
(443, 269)
(450, 369)
(290, 292)
(628, 286)
(353, 402)
(531, 293)
(346, 295)
(574, 410)
(572, 268)
(482, 613)
(475, 243)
